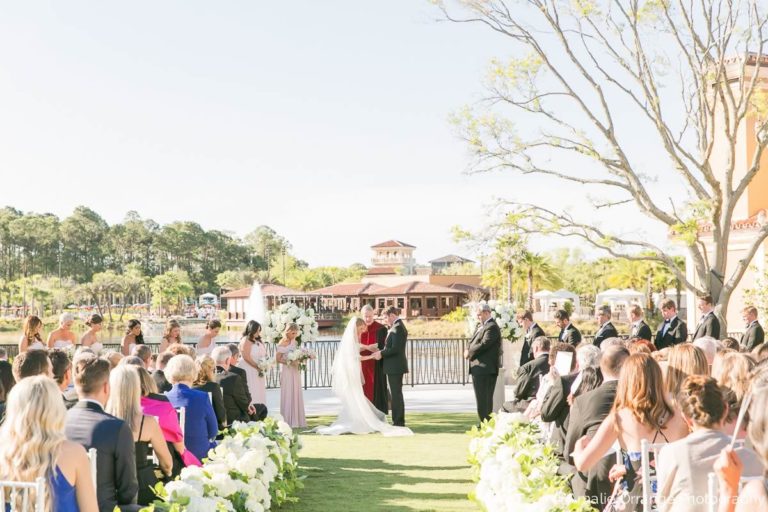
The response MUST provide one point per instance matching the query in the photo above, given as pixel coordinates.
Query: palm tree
(537, 271)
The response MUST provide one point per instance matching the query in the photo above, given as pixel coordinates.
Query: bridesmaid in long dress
(291, 394)
(252, 349)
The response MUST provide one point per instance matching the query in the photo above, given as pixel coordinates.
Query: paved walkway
(427, 398)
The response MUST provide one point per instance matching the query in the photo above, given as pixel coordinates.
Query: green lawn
(427, 471)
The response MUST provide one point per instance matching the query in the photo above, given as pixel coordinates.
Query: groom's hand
(377, 355)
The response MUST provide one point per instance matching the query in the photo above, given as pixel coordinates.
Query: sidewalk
(428, 398)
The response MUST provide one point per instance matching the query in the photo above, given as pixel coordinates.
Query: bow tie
(667, 321)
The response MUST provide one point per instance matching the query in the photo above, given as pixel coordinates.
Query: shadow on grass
(374, 485)
(420, 423)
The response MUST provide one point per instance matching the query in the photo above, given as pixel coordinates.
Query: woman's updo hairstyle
(702, 400)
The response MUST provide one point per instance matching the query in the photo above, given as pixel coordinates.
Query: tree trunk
(530, 289)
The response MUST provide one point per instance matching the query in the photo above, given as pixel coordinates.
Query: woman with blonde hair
(29, 453)
(125, 403)
(63, 337)
(640, 411)
(31, 339)
(733, 375)
(684, 360)
(291, 394)
(206, 382)
(171, 335)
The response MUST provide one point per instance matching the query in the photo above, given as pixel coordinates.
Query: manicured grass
(427, 471)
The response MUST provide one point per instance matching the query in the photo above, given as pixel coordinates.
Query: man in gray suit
(395, 362)
(89, 425)
(483, 354)
(754, 335)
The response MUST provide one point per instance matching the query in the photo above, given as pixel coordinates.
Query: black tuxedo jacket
(527, 381)
(235, 393)
(485, 349)
(526, 354)
(555, 408)
(676, 334)
(606, 331)
(218, 402)
(88, 425)
(393, 354)
(641, 331)
(570, 335)
(587, 413)
(161, 382)
(241, 373)
(709, 326)
(753, 336)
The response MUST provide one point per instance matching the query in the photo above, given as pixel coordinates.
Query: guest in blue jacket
(200, 427)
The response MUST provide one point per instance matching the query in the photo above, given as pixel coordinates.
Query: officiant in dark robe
(375, 385)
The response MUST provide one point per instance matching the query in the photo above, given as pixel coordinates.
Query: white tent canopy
(619, 300)
(546, 303)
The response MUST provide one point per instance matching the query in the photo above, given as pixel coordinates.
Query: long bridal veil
(358, 415)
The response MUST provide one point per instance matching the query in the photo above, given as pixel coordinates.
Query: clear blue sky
(325, 120)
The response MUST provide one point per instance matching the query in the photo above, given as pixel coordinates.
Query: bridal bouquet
(264, 364)
(284, 314)
(302, 355)
(252, 468)
(516, 470)
(505, 315)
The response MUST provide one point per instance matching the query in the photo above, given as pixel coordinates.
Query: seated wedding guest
(29, 453)
(684, 360)
(113, 358)
(144, 353)
(710, 346)
(613, 342)
(206, 382)
(568, 332)
(152, 363)
(730, 343)
(3, 355)
(588, 411)
(753, 496)
(732, 375)
(125, 403)
(159, 374)
(201, 427)
(760, 353)
(640, 345)
(158, 405)
(641, 411)
(132, 361)
(62, 374)
(31, 363)
(683, 465)
(754, 335)
(32, 338)
(178, 348)
(528, 375)
(6, 376)
(591, 378)
(234, 349)
(234, 389)
(89, 425)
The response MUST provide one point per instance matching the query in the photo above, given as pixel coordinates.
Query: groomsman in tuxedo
(532, 331)
(639, 328)
(483, 354)
(395, 362)
(673, 330)
(89, 425)
(754, 335)
(568, 332)
(606, 329)
(709, 324)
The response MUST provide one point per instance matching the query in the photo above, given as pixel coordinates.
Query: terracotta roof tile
(348, 289)
(392, 243)
(416, 287)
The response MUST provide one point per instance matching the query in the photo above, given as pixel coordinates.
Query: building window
(381, 303)
(401, 303)
(390, 302)
(431, 302)
(447, 302)
(416, 303)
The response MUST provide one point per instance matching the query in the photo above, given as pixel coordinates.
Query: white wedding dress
(358, 415)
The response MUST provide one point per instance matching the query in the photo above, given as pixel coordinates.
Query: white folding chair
(92, 459)
(649, 495)
(24, 488)
(712, 491)
(182, 412)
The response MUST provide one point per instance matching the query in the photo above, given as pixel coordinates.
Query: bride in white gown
(358, 415)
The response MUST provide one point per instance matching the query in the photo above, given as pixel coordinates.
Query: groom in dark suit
(483, 355)
(395, 364)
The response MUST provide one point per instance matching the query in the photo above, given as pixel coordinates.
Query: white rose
(180, 489)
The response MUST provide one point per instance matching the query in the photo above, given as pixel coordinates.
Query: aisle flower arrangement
(252, 469)
(516, 470)
(284, 314)
(505, 315)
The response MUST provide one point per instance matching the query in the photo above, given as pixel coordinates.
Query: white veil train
(358, 415)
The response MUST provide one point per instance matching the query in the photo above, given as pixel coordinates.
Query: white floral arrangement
(301, 355)
(253, 468)
(284, 314)
(516, 471)
(505, 315)
(264, 364)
